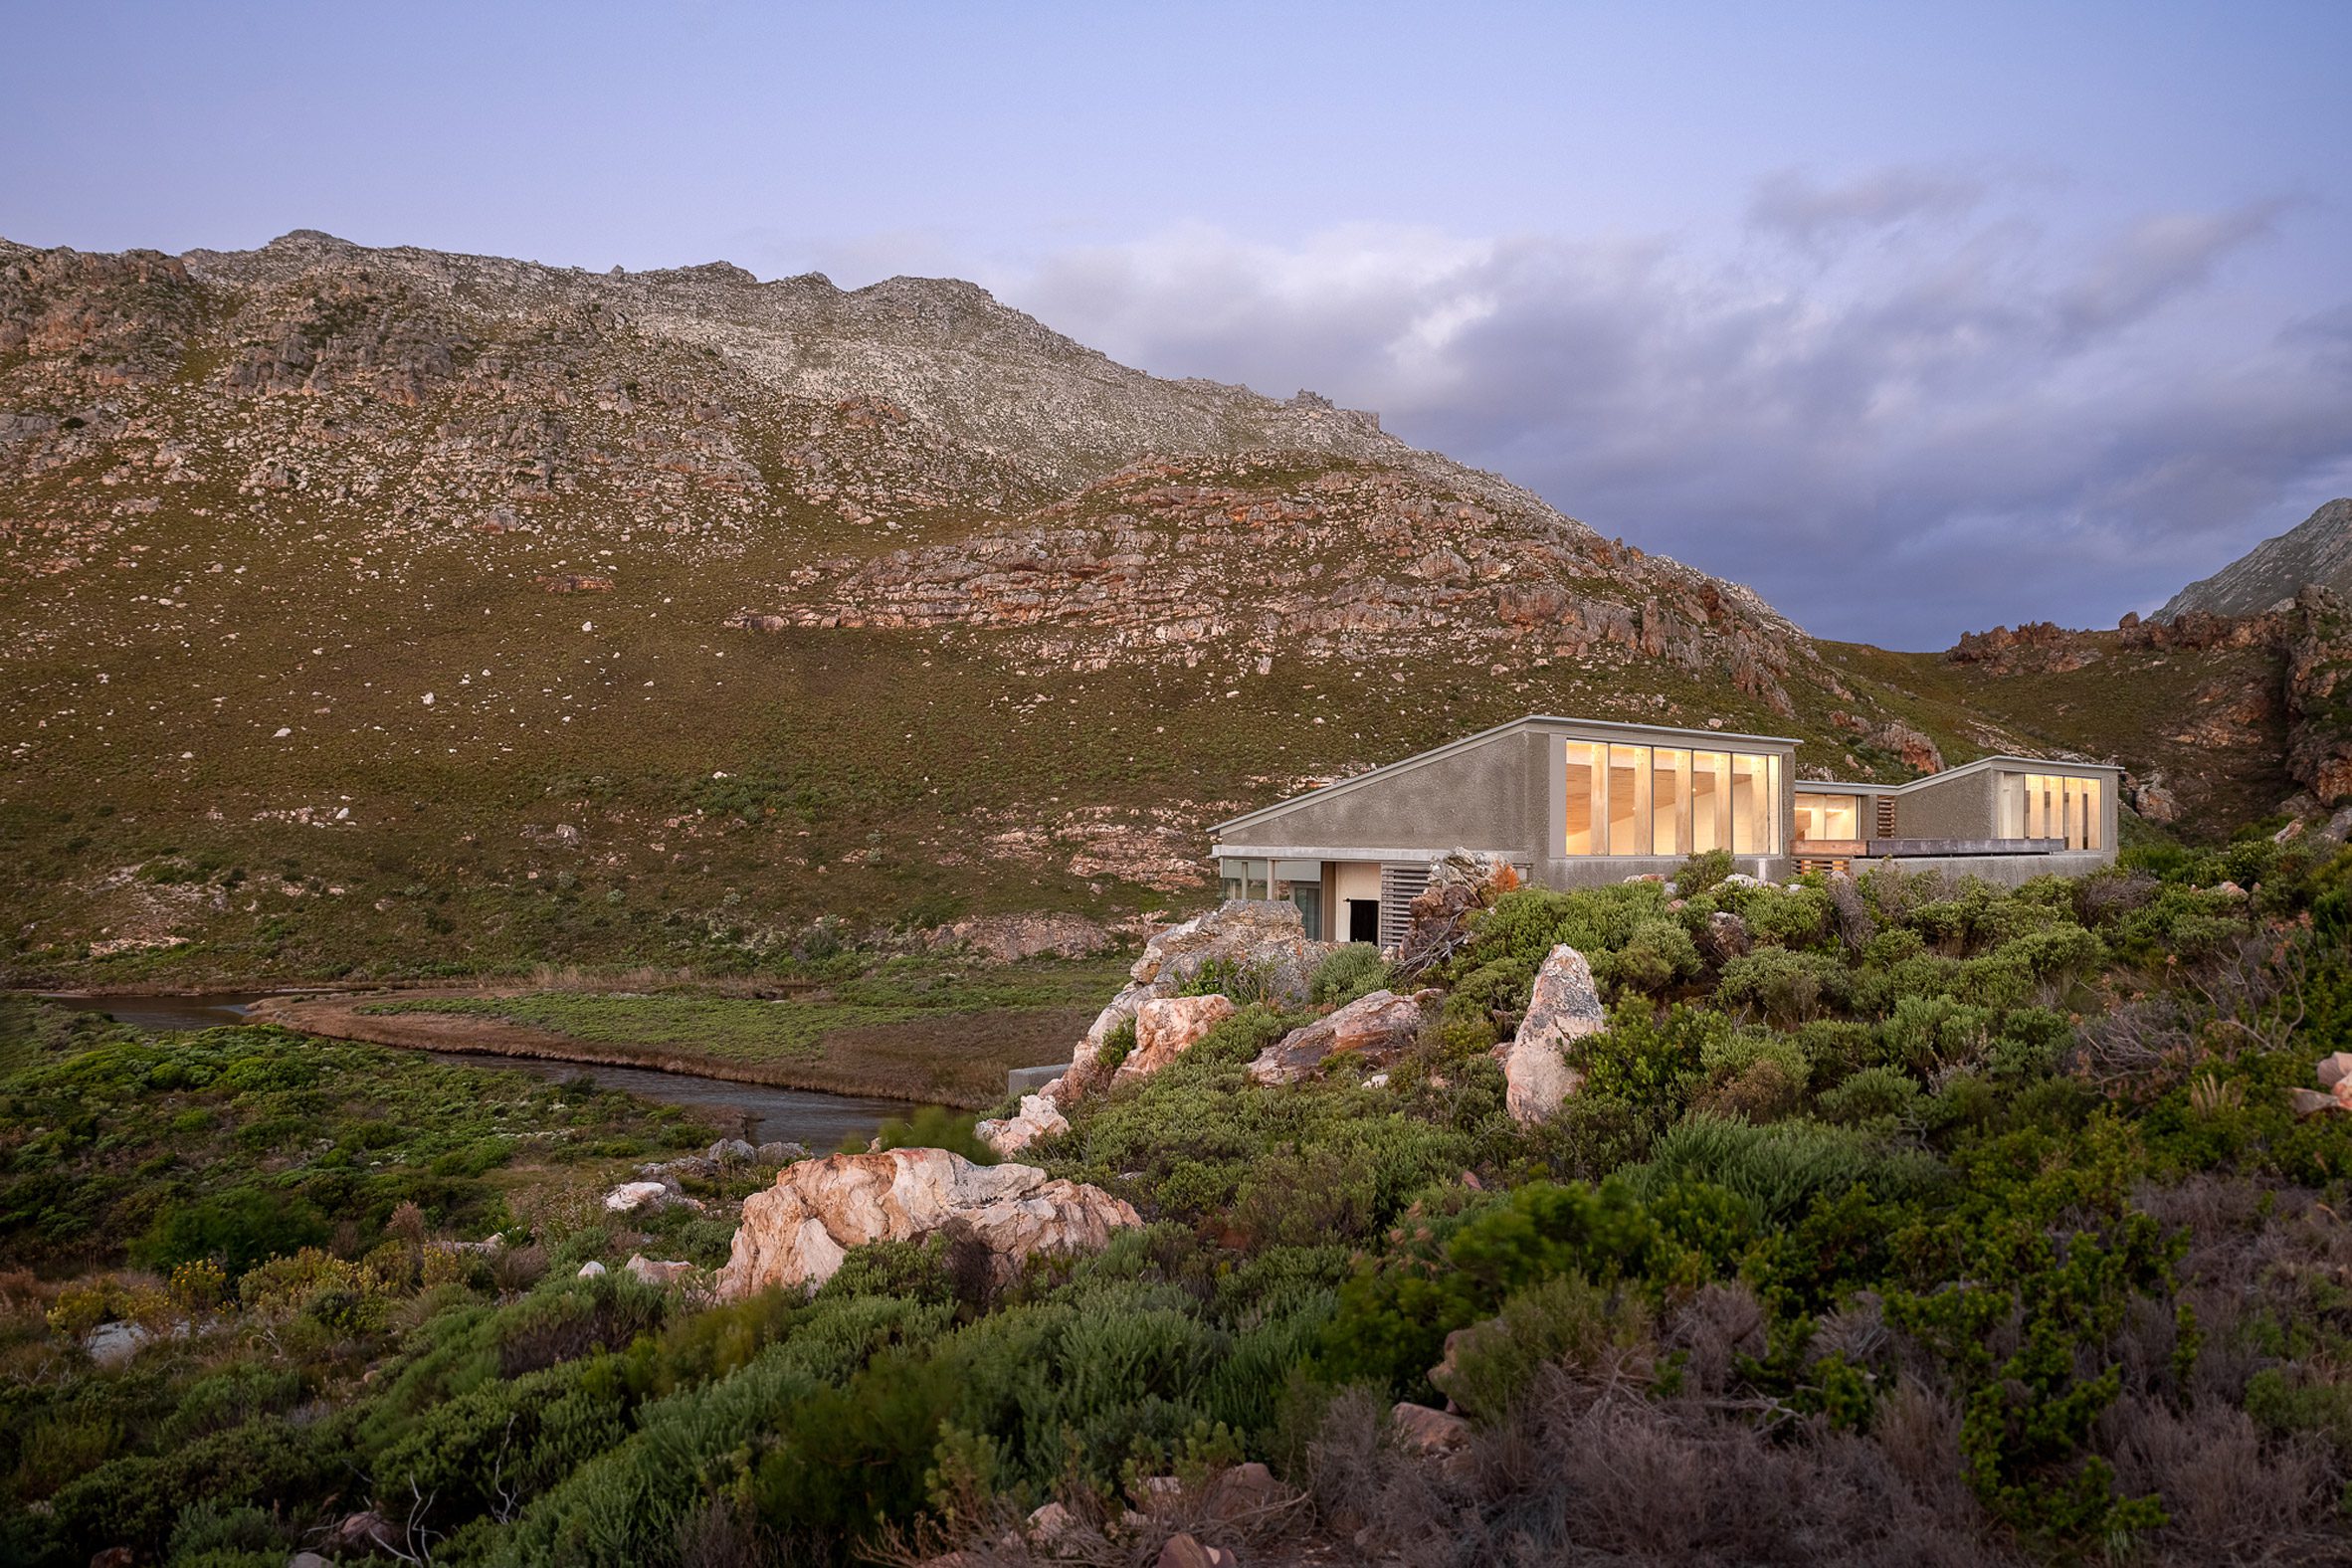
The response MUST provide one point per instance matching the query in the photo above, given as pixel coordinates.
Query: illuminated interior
(1835, 817)
(1668, 801)
(2051, 806)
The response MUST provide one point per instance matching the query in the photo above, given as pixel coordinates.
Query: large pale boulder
(1168, 1026)
(1371, 1031)
(1565, 1006)
(798, 1231)
(1266, 940)
(1039, 1118)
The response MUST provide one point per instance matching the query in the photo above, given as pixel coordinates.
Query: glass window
(1244, 879)
(1710, 801)
(1302, 883)
(2011, 807)
(2095, 813)
(1670, 801)
(1836, 817)
(1629, 800)
(1584, 798)
(1752, 805)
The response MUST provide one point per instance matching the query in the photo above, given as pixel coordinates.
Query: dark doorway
(1363, 919)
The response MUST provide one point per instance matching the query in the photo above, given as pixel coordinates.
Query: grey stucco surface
(1481, 796)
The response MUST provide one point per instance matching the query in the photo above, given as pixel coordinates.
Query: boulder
(652, 1196)
(653, 1272)
(2311, 1102)
(361, 1534)
(1565, 1006)
(779, 1153)
(1262, 939)
(2334, 1069)
(1372, 1031)
(1039, 1118)
(1184, 1550)
(1727, 936)
(111, 1345)
(591, 1269)
(1168, 1026)
(1431, 1434)
(1049, 1524)
(798, 1231)
(1246, 1491)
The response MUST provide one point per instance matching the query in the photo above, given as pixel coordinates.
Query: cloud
(1894, 430)
(1794, 205)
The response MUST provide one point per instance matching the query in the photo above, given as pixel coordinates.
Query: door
(1363, 919)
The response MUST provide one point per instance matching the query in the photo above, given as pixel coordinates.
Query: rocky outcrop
(1038, 1118)
(1009, 939)
(1372, 1031)
(1565, 1007)
(1460, 884)
(797, 1233)
(2316, 550)
(2319, 696)
(1168, 1026)
(1267, 942)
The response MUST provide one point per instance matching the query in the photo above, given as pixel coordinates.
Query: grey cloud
(1975, 428)
(1795, 207)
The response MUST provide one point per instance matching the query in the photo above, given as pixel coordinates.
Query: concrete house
(1579, 802)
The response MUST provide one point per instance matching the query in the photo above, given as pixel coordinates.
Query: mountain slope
(2316, 550)
(384, 609)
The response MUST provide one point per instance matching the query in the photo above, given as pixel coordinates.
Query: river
(821, 1121)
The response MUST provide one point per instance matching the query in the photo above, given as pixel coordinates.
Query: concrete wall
(1960, 806)
(2006, 871)
(1480, 797)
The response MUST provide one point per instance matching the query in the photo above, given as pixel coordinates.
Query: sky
(1918, 318)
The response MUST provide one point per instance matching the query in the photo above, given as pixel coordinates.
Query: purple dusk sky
(1918, 318)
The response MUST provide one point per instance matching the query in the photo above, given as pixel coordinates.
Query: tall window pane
(1751, 792)
(2095, 813)
(1629, 800)
(2011, 822)
(1710, 800)
(1772, 799)
(1670, 801)
(1584, 798)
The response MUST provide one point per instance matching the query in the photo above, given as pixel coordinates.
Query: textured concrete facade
(1503, 793)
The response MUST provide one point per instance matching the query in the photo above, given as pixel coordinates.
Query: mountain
(375, 611)
(2316, 550)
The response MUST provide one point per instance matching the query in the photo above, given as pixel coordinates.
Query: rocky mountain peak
(2316, 550)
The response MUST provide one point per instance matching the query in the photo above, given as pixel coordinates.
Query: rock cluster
(1264, 941)
(797, 1233)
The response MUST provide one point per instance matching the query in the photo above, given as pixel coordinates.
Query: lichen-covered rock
(1371, 1031)
(631, 1197)
(1565, 1006)
(655, 1271)
(1264, 940)
(1168, 1026)
(1039, 1118)
(797, 1233)
(1431, 1434)
(2311, 1102)
(1727, 935)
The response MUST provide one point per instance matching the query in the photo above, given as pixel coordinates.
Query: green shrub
(936, 1127)
(1655, 955)
(1561, 1321)
(1702, 873)
(1355, 970)
(1786, 986)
